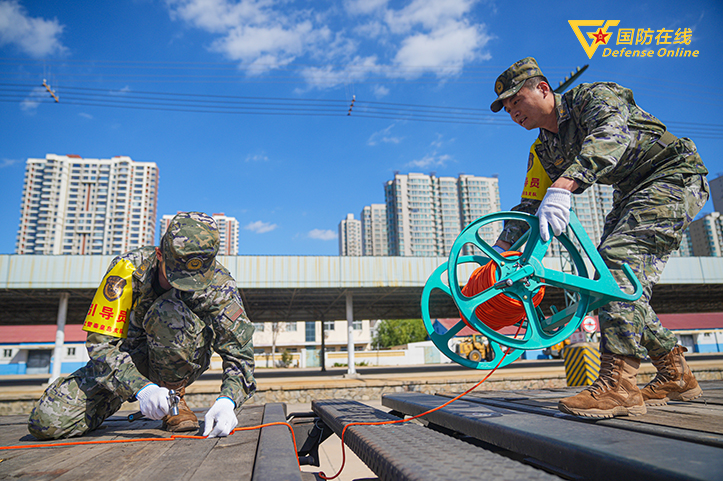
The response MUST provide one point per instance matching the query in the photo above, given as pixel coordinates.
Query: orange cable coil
(502, 310)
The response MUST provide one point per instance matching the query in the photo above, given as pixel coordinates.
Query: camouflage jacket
(219, 307)
(603, 137)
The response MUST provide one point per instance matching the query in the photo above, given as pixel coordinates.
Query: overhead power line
(279, 106)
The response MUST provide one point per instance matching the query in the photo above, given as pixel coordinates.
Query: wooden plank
(233, 457)
(275, 455)
(51, 463)
(178, 459)
(181, 460)
(118, 461)
(712, 393)
(688, 415)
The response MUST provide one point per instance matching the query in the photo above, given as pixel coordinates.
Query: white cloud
(422, 37)
(430, 160)
(443, 51)
(31, 102)
(384, 136)
(437, 143)
(264, 33)
(35, 36)
(248, 43)
(264, 63)
(325, 235)
(373, 30)
(122, 91)
(364, 6)
(218, 15)
(327, 76)
(86, 116)
(380, 91)
(5, 162)
(260, 157)
(260, 227)
(430, 14)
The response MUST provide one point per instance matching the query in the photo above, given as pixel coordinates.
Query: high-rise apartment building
(686, 246)
(591, 207)
(374, 230)
(706, 235)
(425, 213)
(479, 196)
(72, 205)
(227, 232)
(716, 193)
(350, 236)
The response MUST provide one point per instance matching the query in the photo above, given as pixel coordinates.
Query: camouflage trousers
(642, 230)
(177, 350)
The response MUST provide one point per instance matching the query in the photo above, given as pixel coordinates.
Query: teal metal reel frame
(520, 277)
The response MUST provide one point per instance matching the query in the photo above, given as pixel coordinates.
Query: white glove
(220, 419)
(555, 211)
(153, 401)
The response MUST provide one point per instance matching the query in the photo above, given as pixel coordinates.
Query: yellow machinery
(475, 348)
(555, 351)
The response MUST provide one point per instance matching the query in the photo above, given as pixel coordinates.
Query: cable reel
(520, 277)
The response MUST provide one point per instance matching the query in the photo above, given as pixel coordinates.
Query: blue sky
(167, 81)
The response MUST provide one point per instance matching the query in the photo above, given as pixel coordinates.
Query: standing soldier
(596, 133)
(152, 326)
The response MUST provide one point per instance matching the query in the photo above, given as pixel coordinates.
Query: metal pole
(323, 347)
(350, 324)
(60, 336)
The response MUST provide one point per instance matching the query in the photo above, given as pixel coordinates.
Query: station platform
(508, 435)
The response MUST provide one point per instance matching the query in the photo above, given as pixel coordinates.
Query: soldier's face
(528, 108)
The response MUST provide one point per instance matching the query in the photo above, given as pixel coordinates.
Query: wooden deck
(217, 459)
(700, 419)
(683, 440)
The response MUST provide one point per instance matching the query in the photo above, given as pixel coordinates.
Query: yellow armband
(537, 180)
(108, 314)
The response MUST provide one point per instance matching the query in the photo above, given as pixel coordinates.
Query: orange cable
(172, 438)
(322, 475)
(250, 428)
(501, 310)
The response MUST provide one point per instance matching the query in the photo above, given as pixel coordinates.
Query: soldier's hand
(554, 211)
(220, 419)
(153, 401)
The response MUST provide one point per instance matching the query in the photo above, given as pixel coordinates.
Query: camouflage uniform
(605, 137)
(170, 337)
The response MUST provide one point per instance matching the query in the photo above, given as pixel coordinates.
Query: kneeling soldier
(152, 326)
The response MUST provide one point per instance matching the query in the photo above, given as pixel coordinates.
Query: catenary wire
(234, 104)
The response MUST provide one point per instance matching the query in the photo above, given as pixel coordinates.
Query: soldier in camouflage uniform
(184, 305)
(596, 133)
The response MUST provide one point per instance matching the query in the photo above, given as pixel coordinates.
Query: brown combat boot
(186, 420)
(674, 381)
(614, 392)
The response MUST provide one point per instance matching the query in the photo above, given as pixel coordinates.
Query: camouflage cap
(189, 249)
(512, 79)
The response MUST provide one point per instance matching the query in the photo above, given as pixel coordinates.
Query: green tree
(395, 332)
